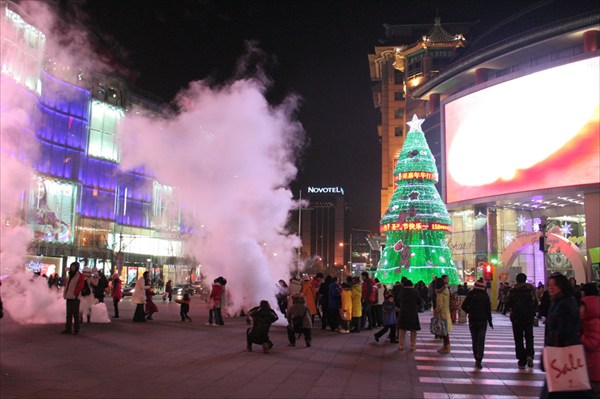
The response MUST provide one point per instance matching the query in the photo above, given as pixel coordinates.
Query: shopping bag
(566, 368)
(438, 327)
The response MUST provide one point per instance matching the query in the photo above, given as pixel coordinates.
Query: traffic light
(488, 272)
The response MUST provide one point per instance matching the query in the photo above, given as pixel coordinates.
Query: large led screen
(534, 132)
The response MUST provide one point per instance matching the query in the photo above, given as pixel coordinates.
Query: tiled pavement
(167, 358)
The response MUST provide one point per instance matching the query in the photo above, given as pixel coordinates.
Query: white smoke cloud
(231, 156)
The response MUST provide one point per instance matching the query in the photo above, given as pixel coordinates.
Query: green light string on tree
(416, 219)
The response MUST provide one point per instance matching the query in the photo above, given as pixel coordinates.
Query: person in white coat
(87, 297)
(139, 298)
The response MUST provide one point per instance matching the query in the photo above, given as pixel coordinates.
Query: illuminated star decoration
(566, 229)
(521, 222)
(508, 238)
(415, 124)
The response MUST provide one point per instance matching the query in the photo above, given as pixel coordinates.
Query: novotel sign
(325, 190)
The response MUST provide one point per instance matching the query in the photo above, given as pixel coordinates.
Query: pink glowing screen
(534, 132)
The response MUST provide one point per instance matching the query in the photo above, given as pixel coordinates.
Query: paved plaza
(167, 358)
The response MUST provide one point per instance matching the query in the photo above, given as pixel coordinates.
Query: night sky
(316, 49)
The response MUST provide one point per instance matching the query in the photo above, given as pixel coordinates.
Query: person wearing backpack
(71, 292)
(86, 297)
(299, 320)
(522, 304)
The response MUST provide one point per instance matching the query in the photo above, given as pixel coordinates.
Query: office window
(103, 129)
(399, 95)
(398, 131)
(399, 113)
(398, 77)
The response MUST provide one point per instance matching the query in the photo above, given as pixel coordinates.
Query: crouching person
(261, 318)
(299, 320)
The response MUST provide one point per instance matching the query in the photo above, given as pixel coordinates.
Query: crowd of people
(570, 312)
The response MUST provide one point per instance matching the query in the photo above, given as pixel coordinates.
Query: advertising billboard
(51, 209)
(533, 132)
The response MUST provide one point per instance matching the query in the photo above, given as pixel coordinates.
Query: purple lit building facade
(81, 204)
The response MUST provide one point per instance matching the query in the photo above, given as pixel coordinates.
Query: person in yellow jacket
(346, 309)
(356, 304)
(442, 310)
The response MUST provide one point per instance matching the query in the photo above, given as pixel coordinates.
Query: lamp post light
(349, 245)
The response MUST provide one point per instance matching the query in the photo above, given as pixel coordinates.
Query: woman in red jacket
(116, 293)
(590, 332)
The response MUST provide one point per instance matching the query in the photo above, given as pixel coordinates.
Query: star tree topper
(415, 124)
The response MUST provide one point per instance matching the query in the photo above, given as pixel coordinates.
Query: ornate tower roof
(440, 35)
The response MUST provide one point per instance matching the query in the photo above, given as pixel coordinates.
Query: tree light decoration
(416, 219)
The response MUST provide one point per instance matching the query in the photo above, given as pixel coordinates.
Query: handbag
(566, 368)
(438, 327)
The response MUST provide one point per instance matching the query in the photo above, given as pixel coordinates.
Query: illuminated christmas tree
(416, 220)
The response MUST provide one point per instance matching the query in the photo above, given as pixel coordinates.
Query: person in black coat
(477, 305)
(562, 328)
(523, 306)
(409, 315)
(261, 318)
(324, 301)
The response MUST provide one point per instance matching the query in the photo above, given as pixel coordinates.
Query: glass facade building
(81, 204)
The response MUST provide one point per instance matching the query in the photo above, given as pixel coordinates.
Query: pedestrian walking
(377, 306)
(310, 295)
(442, 310)
(295, 287)
(71, 292)
(431, 292)
(590, 332)
(334, 305)
(477, 305)
(299, 321)
(222, 302)
(139, 298)
(150, 307)
(116, 293)
(87, 297)
(168, 291)
(185, 307)
(214, 299)
(408, 319)
(324, 301)
(369, 296)
(562, 328)
(261, 318)
(101, 286)
(316, 283)
(346, 309)
(282, 295)
(356, 290)
(522, 304)
(388, 309)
